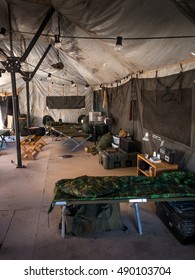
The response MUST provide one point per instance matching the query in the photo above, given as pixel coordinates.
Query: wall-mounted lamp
(146, 137)
(57, 42)
(73, 84)
(2, 32)
(118, 46)
(49, 76)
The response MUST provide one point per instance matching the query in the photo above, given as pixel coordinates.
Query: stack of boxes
(116, 159)
(122, 154)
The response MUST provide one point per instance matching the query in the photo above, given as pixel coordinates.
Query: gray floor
(28, 233)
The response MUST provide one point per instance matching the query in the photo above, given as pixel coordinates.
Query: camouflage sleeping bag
(96, 188)
(84, 219)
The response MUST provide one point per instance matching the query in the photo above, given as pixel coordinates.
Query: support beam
(13, 65)
(27, 78)
(186, 8)
(37, 34)
(16, 122)
(28, 103)
(41, 60)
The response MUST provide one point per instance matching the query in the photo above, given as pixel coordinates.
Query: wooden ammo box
(116, 158)
(179, 217)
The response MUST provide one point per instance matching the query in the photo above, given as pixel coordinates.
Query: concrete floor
(28, 233)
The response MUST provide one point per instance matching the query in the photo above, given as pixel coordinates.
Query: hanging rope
(180, 85)
(155, 96)
(169, 96)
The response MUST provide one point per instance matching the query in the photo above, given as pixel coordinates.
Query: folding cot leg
(3, 140)
(138, 218)
(63, 230)
(80, 143)
(71, 138)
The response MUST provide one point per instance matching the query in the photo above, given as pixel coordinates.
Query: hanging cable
(57, 43)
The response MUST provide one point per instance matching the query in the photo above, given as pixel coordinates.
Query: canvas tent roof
(88, 31)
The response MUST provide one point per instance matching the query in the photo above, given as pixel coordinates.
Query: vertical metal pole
(28, 102)
(10, 33)
(16, 122)
(63, 231)
(14, 96)
(138, 218)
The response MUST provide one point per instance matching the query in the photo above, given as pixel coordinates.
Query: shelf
(157, 168)
(145, 172)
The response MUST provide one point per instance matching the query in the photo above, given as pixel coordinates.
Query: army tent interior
(106, 67)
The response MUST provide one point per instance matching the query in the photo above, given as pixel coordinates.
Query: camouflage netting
(176, 184)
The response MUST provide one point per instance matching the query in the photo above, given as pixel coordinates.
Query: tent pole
(28, 102)
(27, 79)
(16, 122)
(40, 61)
(12, 65)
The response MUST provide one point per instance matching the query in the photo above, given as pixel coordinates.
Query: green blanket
(176, 184)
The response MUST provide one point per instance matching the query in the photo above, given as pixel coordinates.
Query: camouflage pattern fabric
(175, 184)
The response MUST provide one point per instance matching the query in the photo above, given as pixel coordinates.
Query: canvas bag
(89, 218)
